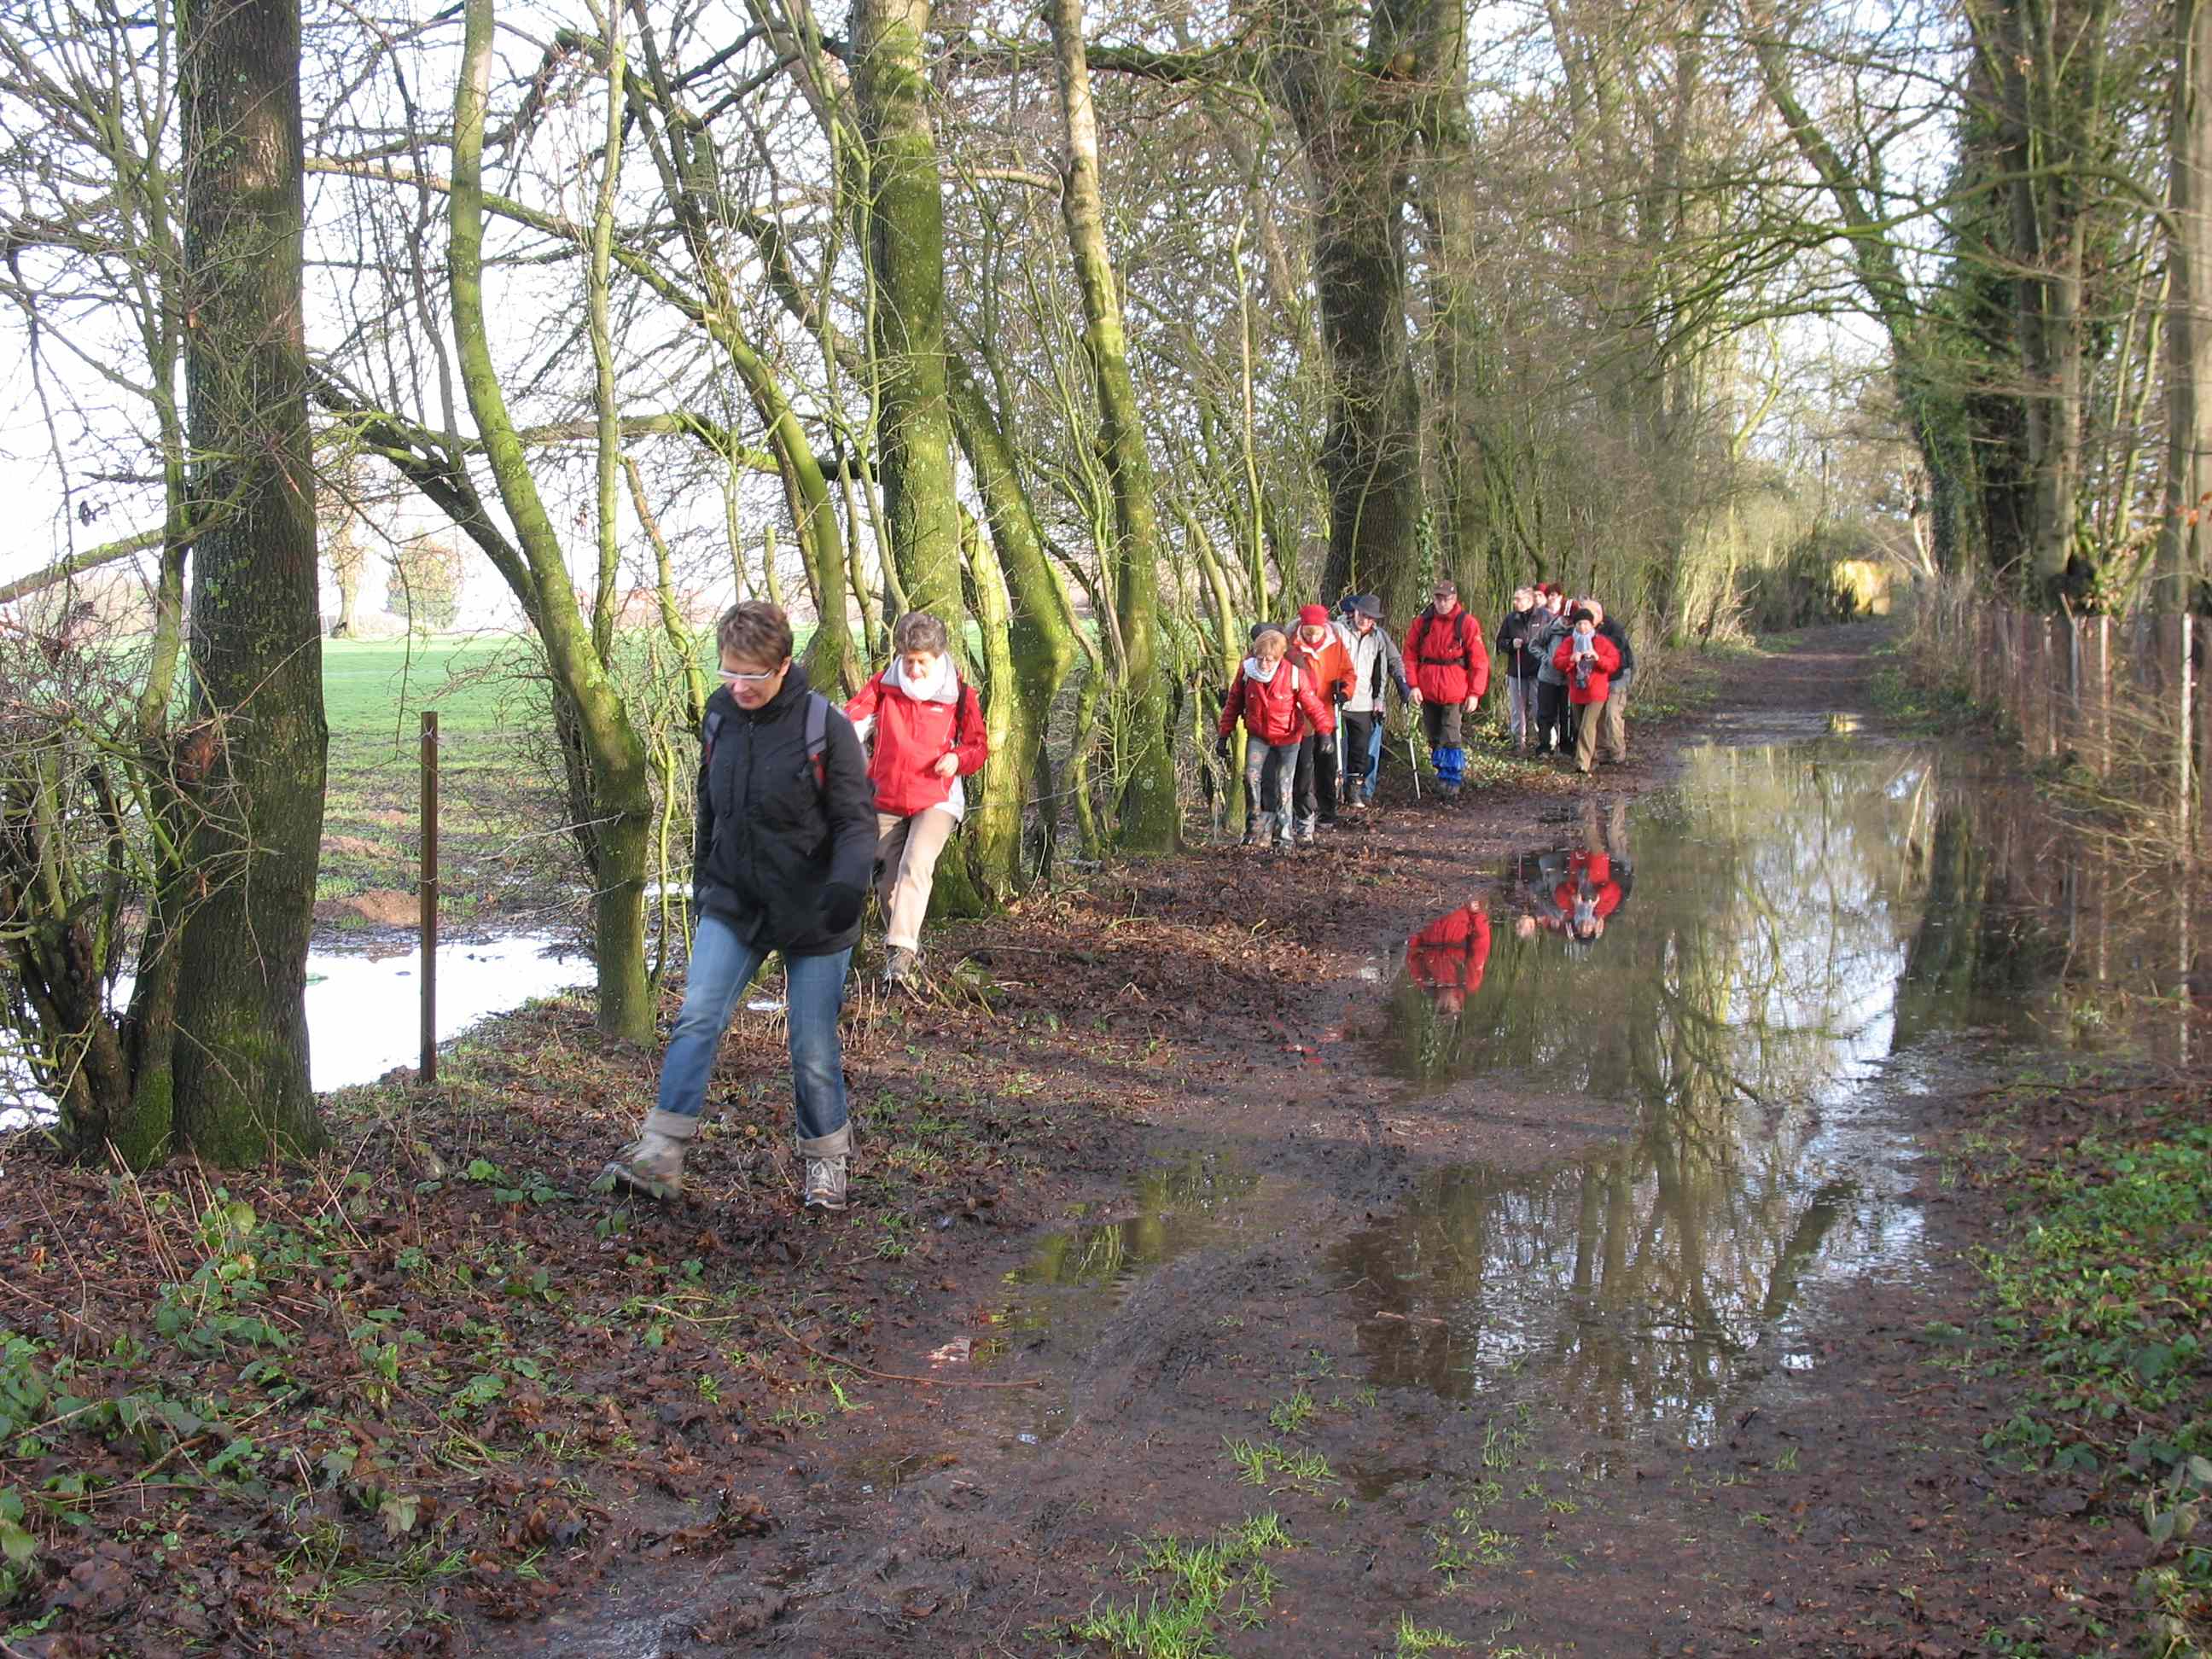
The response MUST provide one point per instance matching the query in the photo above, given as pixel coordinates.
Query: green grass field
(501, 849)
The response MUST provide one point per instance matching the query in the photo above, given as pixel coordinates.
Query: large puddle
(1754, 969)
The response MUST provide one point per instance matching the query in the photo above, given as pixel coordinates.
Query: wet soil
(1178, 1206)
(1280, 1281)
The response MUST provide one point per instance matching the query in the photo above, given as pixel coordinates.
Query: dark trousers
(1314, 791)
(1355, 735)
(1551, 716)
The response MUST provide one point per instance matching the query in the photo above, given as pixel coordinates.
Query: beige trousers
(906, 868)
(1612, 725)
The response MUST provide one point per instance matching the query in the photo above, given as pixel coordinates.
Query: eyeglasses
(731, 676)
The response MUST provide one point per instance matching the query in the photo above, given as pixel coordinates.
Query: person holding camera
(785, 841)
(1586, 659)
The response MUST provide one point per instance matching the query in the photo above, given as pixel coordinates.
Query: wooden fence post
(427, 1073)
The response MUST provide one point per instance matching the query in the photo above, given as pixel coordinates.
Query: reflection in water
(1179, 1208)
(1804, 912)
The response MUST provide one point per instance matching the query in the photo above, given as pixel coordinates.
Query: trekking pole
(1413, 759)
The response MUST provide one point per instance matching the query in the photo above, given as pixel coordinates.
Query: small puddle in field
(364, 1011)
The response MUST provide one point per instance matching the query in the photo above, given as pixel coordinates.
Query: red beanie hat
(1314, 616)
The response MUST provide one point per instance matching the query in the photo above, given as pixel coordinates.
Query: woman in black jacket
(787, 834)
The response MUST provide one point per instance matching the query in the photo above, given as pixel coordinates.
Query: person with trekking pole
(1319, 655)
(780, 861)
(1451, 671)
(1517, 642)
(1374, 656)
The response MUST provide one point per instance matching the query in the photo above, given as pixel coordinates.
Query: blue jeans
(722, 965)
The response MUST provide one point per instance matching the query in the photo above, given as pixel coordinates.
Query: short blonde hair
(1259, 641)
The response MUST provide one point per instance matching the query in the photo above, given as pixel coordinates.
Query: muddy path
(1561, 1316)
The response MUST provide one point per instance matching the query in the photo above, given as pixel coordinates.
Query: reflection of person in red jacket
(1588, 895)
(929, 734)
(1447, 957)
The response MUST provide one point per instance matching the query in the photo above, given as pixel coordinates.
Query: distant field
(502, 848)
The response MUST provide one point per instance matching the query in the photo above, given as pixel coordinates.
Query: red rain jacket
(1275, 710)
(1446, 656)
(1452, 951)
(1601, 678)
(911, 737)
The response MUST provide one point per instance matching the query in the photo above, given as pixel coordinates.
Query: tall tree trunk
(1149, 815)
(241, 1071)
(619, 778)
(1041, 636)
(904, 205)
(2183, 535)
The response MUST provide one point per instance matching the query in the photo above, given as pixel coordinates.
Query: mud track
(1201, 1035)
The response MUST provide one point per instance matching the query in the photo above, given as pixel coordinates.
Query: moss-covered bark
(905, 249)
(241, 1083)
(1148, 817)
(617, 778)
(1041, 636)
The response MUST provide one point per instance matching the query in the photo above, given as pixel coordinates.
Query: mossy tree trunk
(1041, 637)
(617, 776)
(2182, 566)
(1355, 108)
(241, 1092)
(1148, 817)
(903, 205)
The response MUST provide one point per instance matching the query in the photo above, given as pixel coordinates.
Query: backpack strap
(707, 738)
(818, 735)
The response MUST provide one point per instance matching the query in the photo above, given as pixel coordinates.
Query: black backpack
(818, 735)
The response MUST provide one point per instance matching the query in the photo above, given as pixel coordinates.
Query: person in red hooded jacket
(929, 735)
(1451, 667)
(1588, 659)
(1447, 958)
(1278, 704)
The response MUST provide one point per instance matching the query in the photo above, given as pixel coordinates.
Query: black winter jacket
(1520, 665)
(770, 839)
(1613, 631)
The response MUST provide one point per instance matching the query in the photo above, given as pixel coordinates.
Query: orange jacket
(1328, 665)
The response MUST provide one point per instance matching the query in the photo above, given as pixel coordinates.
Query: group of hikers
(802, 808)
(1311, 697)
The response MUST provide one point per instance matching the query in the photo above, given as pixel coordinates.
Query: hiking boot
(651, 1164)
(1305, 835)
(1251, 835)
(825, 1182)
(899, 966)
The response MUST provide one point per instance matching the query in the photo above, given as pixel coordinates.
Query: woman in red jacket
(1276, 700)
(1589, 659)
(929, 734)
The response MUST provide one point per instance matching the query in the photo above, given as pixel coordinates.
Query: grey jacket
(1372, 654)
(1546, 644)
